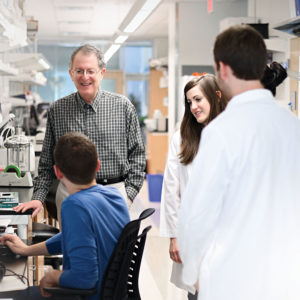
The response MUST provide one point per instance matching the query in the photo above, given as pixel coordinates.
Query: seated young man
(93, 217)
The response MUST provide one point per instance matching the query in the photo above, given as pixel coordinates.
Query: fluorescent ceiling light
(121, 39)
(110, 52)
(141, 15)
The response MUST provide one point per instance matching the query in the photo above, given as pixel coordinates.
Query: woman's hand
(174, 251)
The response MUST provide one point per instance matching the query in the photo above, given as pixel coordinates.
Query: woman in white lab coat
(203, 102)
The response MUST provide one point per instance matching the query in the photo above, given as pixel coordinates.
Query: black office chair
(120, 280)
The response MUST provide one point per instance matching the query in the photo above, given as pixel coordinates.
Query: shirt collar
(95, 103)
(261, 95)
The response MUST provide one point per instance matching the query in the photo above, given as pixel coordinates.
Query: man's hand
(36, 205)
(174, 251)
(50, 279)
(14, 243)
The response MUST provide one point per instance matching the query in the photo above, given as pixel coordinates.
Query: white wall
(270, 11)
(275, 12)
(160, 47)
(198, 29)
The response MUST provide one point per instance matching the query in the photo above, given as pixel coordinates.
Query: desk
(18, 265)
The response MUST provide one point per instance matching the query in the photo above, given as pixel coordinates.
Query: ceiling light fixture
(138, 14)
(111, 51)
(121, 39)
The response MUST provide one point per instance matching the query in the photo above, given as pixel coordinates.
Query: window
(132, 59)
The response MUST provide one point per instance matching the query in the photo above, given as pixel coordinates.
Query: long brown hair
(190, 129)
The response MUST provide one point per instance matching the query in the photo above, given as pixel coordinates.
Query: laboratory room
(105, 192)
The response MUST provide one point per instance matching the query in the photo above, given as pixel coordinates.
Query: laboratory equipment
(20, 152)
(16, 183)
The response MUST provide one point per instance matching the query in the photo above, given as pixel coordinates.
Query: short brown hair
(76, 157)
(243, 49)
(88, 50)
(190, 129)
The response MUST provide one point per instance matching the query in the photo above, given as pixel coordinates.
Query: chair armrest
(69, 291)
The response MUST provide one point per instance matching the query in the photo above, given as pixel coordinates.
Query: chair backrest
(120, 280)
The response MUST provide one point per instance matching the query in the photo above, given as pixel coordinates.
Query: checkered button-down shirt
(111, 123)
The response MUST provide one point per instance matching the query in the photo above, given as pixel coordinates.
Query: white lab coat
(175, 180)
(239, 222)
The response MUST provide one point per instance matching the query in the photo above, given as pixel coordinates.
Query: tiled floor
(156, 265)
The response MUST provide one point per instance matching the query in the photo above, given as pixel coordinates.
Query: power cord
(23, 278)
(7, 132)
(3, 270)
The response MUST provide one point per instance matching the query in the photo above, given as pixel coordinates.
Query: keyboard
(5, 252)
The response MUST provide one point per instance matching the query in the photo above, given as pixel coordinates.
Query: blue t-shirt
(92, 221)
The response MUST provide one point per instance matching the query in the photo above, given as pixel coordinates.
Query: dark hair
(76, 156)
(190, 129)
(273, 76)
(243, 49)
(89, 49)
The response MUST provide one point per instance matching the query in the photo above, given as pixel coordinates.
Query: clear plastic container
(20, 151)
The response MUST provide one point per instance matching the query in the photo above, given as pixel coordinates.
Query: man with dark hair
(107, 119)
(239, 223)
(93, 217)
(75, 157)
(247, 55)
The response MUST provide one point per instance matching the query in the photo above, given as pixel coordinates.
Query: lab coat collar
(257, 95)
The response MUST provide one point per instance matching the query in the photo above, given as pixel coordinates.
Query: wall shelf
(28, 62)
(32, 79)
(7, 69)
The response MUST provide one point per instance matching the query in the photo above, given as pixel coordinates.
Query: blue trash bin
(154, 186)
